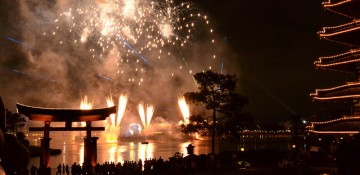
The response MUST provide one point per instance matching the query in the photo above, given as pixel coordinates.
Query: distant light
(304, 121)
(242, 149)
(294, 146)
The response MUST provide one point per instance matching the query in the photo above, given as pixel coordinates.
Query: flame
(85, 105)
(184, 108)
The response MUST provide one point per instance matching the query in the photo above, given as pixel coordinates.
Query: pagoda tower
(347, 34)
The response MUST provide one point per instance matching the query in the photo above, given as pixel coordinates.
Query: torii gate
(48, 115)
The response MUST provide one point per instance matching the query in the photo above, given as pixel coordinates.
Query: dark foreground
(262, 162)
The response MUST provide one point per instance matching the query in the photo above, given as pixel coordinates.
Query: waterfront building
(348, 93)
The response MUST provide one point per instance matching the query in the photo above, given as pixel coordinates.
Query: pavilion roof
(347, 34)
(349, 91)
(345, 62)
(343, 125)
(64, 115)
(348, 8)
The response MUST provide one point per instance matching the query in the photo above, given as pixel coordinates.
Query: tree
(216, 92)
(197, 125)
(14, 121)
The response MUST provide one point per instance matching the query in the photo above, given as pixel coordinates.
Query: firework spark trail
(149, 113)
(110, 103)
(184, 108)
(141, 111)
(186, 64)
(121, 108)
(146, 114)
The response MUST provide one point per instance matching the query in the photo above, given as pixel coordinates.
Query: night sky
(273, 45)
(276, 43)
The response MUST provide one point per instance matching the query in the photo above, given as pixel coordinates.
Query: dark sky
(276, 43)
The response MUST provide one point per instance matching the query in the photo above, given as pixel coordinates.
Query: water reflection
(114, 153)
(183, 147)
(73, 151)
(145, 151)
(131, 151)
(64, 150)
(81, 154)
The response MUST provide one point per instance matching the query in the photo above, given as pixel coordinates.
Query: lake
(133, 150)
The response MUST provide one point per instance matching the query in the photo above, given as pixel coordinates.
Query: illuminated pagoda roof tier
(347, 34)
(349, 62)
(348, 8)
(336, 126)
(345, 62)
(348, 91)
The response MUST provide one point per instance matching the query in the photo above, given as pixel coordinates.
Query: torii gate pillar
(45, 147)
(48, 115)
(90, 148)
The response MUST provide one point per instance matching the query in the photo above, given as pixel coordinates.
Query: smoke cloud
(64, 50)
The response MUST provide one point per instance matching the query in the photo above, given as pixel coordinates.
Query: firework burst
(139, 36)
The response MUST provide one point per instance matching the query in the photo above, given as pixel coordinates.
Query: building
(347, 34)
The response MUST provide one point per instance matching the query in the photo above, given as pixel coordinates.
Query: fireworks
(110, 103)
(184, 108)
(121, 108)
(146, 116)
(148, 49)
(137, 34)
(112, 130)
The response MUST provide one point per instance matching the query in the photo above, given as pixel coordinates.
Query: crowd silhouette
(176, 165)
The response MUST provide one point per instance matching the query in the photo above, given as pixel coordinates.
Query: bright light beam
(137, 53)
(18, 42)
(222, 66)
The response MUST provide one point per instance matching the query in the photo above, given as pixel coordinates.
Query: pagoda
(347, 34)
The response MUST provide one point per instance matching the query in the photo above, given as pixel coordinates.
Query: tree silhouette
(14, 121)
(197, 125)
(216, 92)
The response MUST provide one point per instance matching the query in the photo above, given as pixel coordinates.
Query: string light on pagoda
(338, 29)
(350, 53)
(338, 63)
(336, 120)
(347, 85)
(329, 4)
(334, 132)
(337, 97)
